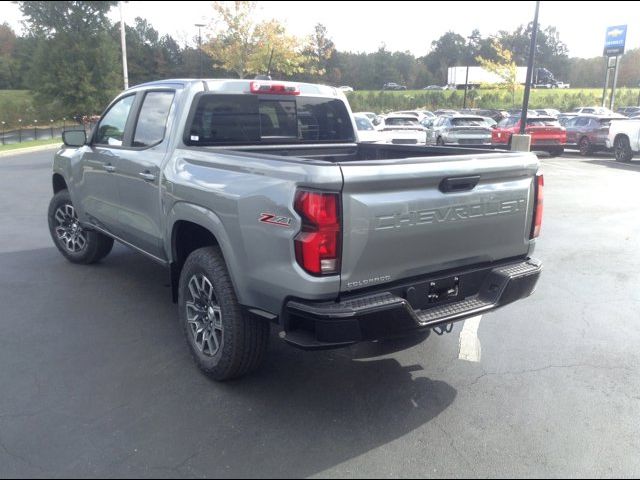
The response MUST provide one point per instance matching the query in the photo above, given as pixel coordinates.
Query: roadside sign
(615, 40)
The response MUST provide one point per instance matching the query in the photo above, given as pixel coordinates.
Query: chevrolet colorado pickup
(265, 208)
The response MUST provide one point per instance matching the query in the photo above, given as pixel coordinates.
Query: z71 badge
(275, 219)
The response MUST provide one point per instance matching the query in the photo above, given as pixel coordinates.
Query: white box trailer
(479, 76)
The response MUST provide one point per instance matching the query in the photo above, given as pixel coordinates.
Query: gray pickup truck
(258, 198)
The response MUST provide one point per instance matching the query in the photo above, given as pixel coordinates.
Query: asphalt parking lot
(96, 379)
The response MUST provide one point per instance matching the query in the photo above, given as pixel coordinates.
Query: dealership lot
(96, 380)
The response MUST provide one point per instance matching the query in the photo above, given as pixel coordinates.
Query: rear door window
(152, 121)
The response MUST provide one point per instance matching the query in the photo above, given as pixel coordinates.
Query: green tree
(75, 64)
(243, 45)
(505, 67)
(8, 41)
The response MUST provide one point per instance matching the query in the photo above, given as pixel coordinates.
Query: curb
(39, 148)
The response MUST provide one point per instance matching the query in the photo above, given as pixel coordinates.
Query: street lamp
(123, 43)
(19, 130)
(200, 25)
(51, 126)
(35, 129)
(3, 124)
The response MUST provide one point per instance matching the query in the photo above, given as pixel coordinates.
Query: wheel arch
(190, 227)
(58, 182)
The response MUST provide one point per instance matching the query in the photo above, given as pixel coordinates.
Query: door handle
(109, 168)
(147, 176)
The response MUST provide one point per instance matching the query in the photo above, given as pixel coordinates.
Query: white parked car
(370, 115)
(367, 133)
(624, 138)
(404, 129)
(346, 88)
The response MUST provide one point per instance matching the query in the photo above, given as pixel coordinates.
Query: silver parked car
(459, 130)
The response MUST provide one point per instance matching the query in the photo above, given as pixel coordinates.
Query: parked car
(419, 114)
(547, 135)
(370, 115)
(628, 111)
(624, 138)
(548, 112)
(593, 111)
(434, 87)
(445, 111)
(459, 130)
(589, 133)
(497, 115)
(517, 112)
(393, 86)
(346, 88)
(490, 121)
(404, 129)
(563, 118)
(264, 213)
(367, 133)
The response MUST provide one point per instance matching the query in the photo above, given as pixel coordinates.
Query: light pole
(3, 124)
(466, 79)
(123, 42)
(527, 87)
(35, 129)
(200, 25)
(19, 130)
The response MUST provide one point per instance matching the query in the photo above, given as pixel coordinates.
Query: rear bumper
(383, 314)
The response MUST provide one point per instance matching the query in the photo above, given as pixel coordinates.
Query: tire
(622, 149)
(585, 147)
(77, 244)
(556, 152)
(224, 343)
(440, 142)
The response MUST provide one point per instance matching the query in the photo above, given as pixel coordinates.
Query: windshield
(224, 119)
(402, 122)
(468, 122)
(363, 123)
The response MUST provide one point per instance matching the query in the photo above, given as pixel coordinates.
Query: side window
(152, 121)
(582, 122)
(111, 127)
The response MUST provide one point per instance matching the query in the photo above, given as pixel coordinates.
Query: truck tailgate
(410, 217)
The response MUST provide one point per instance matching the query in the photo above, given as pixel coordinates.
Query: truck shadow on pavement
(108, 387)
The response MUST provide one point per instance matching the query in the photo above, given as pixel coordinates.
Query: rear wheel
(585, 147)
(223, 341)
(622, 149)
(77, 244)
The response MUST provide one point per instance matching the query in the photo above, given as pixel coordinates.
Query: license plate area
(435, 292)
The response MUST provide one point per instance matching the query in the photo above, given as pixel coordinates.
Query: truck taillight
(538, 207)
(318, 243)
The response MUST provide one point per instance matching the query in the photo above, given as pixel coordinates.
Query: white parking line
(470, 348)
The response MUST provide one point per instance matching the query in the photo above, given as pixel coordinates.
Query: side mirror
(74, 138)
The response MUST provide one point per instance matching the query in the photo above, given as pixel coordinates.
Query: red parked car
(547, 134)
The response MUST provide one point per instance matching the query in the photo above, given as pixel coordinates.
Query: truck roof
(236, 85)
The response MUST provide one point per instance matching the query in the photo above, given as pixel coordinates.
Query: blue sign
(615, 40)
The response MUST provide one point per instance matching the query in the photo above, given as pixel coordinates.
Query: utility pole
(527, 87)
(123, 41)
(200, 25)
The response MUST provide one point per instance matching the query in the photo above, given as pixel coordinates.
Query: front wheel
(622, 149)
(224, 342)
(77, 244)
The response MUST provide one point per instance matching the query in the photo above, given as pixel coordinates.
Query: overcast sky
(364, 26)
